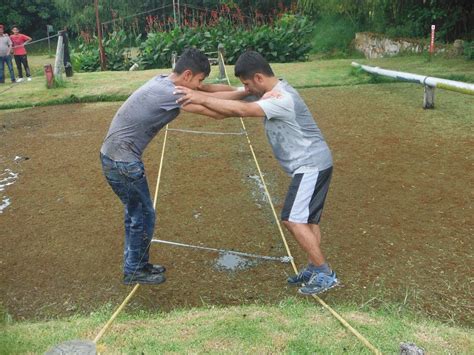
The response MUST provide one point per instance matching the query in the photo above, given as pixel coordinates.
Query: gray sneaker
(319, 283)
(301, 278)
(154, 268)
(143, 277)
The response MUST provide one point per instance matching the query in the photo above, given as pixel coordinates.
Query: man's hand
(189, 96)
(272, 94)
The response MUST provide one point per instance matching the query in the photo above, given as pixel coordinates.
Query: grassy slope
(116, 86)
(295, 326)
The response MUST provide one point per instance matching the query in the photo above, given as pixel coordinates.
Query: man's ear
(187, 75)
(258, 78)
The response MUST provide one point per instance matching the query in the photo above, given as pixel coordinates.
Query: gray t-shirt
(5, 44)
(139, 119)
(292, 132)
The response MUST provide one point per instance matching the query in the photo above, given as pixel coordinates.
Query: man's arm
(28, 39)
(215, 87)
(202, 110)
(226, 108)
(228, 95)
(10, 45)
(222, 91)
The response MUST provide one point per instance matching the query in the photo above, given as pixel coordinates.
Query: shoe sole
(143, 282)
(318, 293)
(298, 284)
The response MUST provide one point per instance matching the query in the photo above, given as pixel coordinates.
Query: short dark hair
(251, 63)
(194, 60)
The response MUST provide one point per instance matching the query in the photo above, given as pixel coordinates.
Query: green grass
(294, 326)
(110, 86)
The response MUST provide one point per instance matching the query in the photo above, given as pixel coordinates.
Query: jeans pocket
(134, 171)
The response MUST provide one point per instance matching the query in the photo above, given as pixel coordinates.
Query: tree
(31, 16)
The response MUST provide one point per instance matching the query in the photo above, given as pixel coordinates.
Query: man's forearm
(228, 95)
(216, 87)
(232, 108)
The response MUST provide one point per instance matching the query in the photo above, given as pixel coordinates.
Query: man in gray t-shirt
(301, 150)
(137, 121)
(5, 55)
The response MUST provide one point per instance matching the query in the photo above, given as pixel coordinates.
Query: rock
(458, 47)
(410, 349)
(375, 45)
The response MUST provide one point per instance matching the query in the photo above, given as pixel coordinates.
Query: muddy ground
(397, 226)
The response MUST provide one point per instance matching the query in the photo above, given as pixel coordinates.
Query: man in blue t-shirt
(135, 124)
(301, 150)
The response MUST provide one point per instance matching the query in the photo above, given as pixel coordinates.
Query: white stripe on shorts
(300, 209)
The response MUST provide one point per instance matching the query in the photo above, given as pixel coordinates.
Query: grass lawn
(294, 326)
(116, 86)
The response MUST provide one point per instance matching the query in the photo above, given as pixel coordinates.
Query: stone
(410, 349)
(74, 347)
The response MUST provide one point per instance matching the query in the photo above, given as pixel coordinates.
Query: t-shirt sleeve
(277, 107)
(166, 99)
(168, 102)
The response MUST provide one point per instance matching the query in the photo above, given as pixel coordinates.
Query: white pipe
(452, 85)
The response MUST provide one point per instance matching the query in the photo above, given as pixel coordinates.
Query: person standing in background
(5, 55)
(19, 52)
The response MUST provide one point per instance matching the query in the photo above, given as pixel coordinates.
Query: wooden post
(432, 39)
(174, 13)
(48, 72)
(428, 97)
(58, 62)
(103, 62)
(174, 57)
(220, 59)
(67, 57)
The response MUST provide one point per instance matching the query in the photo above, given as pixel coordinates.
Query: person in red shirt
(19, 52)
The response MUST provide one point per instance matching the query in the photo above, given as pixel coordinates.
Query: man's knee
(290, 225)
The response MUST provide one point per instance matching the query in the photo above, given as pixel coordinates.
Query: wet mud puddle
(231, 262)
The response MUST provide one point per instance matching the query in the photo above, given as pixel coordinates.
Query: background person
(5, 55)
(19, 52)
(299, 147)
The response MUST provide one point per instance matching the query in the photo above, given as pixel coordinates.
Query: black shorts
(306, 195)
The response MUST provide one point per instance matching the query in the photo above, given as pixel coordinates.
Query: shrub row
(287, 40)
(85, 57)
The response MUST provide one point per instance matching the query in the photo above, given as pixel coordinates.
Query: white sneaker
(19, 80)
(29, 79)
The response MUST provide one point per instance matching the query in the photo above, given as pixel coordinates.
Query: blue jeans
(6, 59)
(129, 183)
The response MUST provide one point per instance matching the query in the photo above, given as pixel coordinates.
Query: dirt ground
(397, 227)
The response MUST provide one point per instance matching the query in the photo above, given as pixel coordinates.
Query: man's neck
(271, 83)
(175, 78)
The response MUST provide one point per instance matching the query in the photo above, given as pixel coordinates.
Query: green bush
(469, 50)
(287, 40)
(86, 56)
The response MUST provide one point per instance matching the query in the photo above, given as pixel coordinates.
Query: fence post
(58, 63)
(67, 57)
(174, 57)
(428, 97)
(220, 59)
(48, 72)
